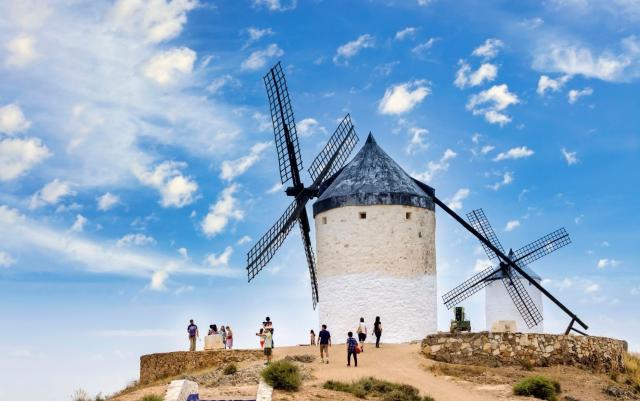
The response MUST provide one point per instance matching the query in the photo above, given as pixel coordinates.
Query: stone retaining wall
(159, 366)
(496, 349)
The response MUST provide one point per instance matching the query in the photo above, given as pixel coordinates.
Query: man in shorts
(324, 342)
(267, 335)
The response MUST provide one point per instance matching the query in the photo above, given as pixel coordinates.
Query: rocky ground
(396, 363)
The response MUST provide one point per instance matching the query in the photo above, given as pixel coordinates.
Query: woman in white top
(362, 333)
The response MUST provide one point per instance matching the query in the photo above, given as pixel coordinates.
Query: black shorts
(362, 337)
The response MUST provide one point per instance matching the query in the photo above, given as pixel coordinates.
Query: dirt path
(401, 363)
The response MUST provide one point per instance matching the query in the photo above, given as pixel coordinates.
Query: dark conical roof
(372, 178)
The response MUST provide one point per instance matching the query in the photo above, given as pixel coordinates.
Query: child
(313, 337)
(261, 338)
(352, 344)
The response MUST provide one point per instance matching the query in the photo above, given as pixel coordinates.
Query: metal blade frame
(480, 222)
(264, 250)
(303, 222)
(335, 153)
(541, 247)
(284, 126)
(521, 298)
(469, 287)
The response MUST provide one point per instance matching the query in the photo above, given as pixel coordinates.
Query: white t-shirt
(362, 328)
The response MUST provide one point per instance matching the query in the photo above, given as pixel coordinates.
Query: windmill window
(363, 215)
(407, 215)
(324, 220)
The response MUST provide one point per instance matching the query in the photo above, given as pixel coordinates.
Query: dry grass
(449, 369)
(632, 370)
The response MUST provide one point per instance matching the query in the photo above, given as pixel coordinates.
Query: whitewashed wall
(383, 265)
(499, 306)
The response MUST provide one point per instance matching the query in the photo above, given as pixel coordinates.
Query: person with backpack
(362, 333)
(352, 349)
(192, 329)
(377, 330)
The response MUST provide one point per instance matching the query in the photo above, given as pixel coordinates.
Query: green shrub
(370, 386)
(539, 387)
(152, 397)
(282, 375)
(230, 369)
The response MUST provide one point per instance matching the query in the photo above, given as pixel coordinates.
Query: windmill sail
(541, 247)
(284, 126)
(521, 298)
(469, 287)
(303, 221)
(335, 153)
(480, 222)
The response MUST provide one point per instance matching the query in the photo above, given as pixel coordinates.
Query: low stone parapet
(495, 349)
(159, 366)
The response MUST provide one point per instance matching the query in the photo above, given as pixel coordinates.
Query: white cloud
(401, 98)
(107, 201)
(489, 49)
(277, 187)
(424, 2)
(176, 190)
(276, 5)
(591, 288)
(244, 240)
(256, 34)
(350, 49)
(492, 102)
(310, 126)
(183, 252)
(605, 262)
(417, 140)
(456, 201)
(514, 153)
(408, 32)
(570, 157)
(258, 59)
(511, 225)
(158, 280)
(51, 193)
(466, 78)
(136, 239)
(6, 260)
(231, 169)
(17, 156)
(507, 178)
(12, 120)
(167, 67)
(575, 94)
(434, 167)
(219, 83)
(221, 212)
(79, 223)
(424, 47)
(532, 23)
(486, 149)
(481, 264)
(547, 84)
(221, 259)
(574, 59)
(20, 51)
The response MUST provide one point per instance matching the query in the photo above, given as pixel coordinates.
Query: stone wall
(159, 366)
(495, 349)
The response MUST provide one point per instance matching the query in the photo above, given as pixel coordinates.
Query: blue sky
(138, 165)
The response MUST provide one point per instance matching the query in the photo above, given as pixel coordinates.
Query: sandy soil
(403, 363)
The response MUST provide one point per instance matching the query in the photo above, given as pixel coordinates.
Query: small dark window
(324, 220)
(419, 234)
(407, 215)
(363, 215)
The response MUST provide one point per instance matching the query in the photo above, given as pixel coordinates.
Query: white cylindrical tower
(375, 239)
(499, 305)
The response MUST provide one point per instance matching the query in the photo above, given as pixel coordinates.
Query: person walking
(313, 337)
(362, 333)
(268, 324)
(325, 342)
(259, 334)
(377, 330)
(192, 329)
(352, 349)
(229, 338)
(223, 336)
